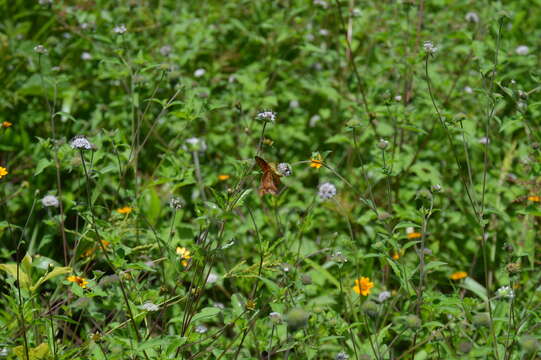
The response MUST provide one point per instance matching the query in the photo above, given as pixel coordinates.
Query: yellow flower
(184, 255)
(363, 286)
(78, 280)
(396, 255)
(124, 210)
(6, 124)
(223, 177)
(316, 161)
(458, 275)
(3, 172)
(534, 198)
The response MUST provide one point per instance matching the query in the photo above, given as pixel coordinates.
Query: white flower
(40, 49)
(410, 230)
(176, 203)
(50, 201)
(321, 3)
(284, 169)
(231, 79)
(383, 144)
(505, 292)
(120, 29)
(166, 50)
(468, 90)
(522, 50)
(314, 120)
(149, 306)
(275, 317)
(484, 140)
(45, 2)
(268, 116)
(323, 32)
(212, 278)
(341, 356)
(429, 47)
(326, 191)
(199, 72)
(4, 352)
(356, 12)
(201, 329)
(86, 56)
(294, 104)
(398, 98)
(196, 144)
(384, 295)
(219, 305)
(472, 17)
(81, 142)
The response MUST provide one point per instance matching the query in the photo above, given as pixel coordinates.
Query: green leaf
(475, 287)
(206, 313)
(39, 352)
(52, 274)
(24, 278)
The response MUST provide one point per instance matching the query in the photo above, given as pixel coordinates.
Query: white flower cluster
(327, 191)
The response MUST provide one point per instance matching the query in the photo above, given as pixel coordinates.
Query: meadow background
(406, 225)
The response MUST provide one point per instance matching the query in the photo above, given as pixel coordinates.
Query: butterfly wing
(270, 180)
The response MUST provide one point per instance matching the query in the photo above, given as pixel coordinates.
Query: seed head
(284, 169)
(50, 201)
(267, 116)
(327, 191)
(429, 47)
(80, 142)
(120, 29)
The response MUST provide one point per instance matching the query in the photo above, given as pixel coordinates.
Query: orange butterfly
(270, 179)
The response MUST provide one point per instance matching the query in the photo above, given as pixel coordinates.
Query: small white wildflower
(166, 50)
(201, 329)
(398, 98)
(86, 56)
(45, 2)
(268, 116)
(176, 203)
(429, 47)
(310, 37)
(284, 169)
(436, 188)
(314, 120)
(196, 144)
(472, 17)
(120, 29)
(505, 292)
(324, 32)
(199, 73)
(294, 104)
(383, 144)
(356, 12)
(40, 49)
(321, 3)
(276, 317)
(410, 230)
(50, 201)
(81, 142)
(84, 26)
(326, 191)
(286, 267)
(149, 306)
(384, 295)
(468, 90)
(219, 305)
(522, 50)
(231, 79)
(484, 140)
(341, 356)
(212, 278)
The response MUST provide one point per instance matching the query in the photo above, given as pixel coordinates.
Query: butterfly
(270, 179)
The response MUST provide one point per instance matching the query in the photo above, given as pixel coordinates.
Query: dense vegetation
(288, 179)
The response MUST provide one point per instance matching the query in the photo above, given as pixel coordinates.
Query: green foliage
(403, 139)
